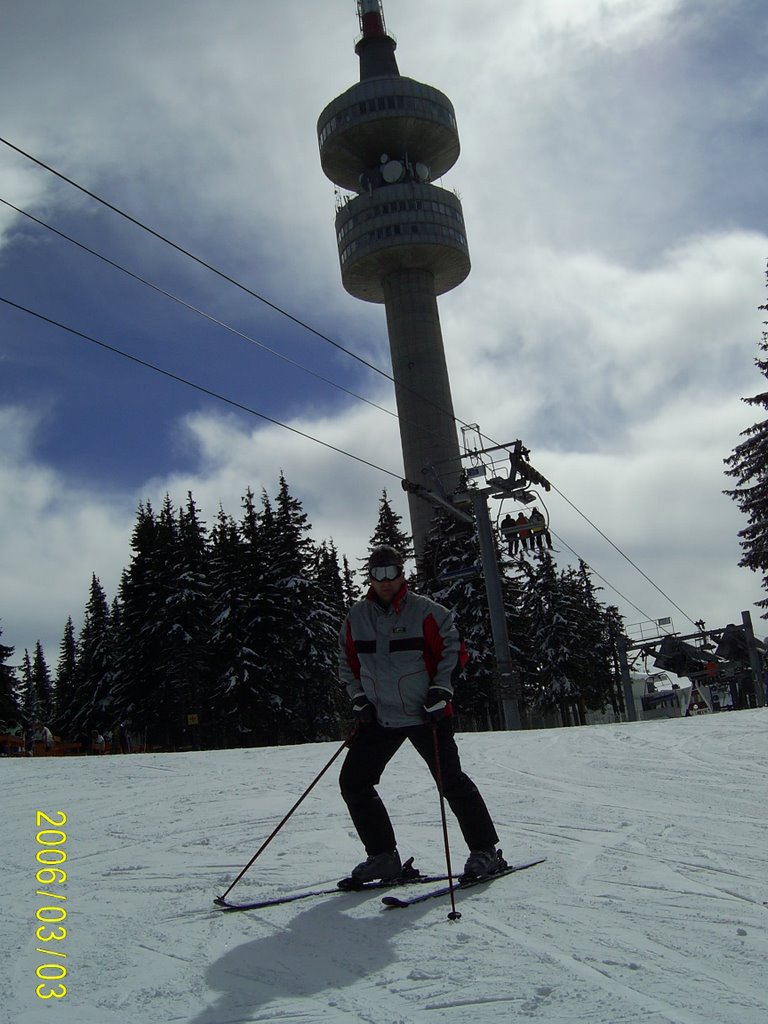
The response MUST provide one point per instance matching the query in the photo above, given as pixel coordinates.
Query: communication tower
(401, 239)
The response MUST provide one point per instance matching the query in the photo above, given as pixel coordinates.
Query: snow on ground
(651, 907)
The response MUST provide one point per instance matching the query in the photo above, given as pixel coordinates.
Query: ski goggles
(385, 572)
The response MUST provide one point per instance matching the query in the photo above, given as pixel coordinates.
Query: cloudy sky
(614, 189)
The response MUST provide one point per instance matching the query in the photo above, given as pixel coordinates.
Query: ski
(410, 876)
(444, 890)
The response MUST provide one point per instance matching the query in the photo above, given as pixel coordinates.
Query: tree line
(227, 636)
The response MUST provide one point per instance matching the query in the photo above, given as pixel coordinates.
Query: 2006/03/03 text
(51, 855)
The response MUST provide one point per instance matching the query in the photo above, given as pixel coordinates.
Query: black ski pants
(373, 747)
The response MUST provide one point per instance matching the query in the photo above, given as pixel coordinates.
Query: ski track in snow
(650, 909)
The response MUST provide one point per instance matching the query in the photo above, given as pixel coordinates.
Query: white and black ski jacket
(392, 654)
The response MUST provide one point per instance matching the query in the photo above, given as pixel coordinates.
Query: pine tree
(334, 597)
(614, 628)
(232, 659)
(94, 671)
(573, 659)
(186, 625)
(64, 704)
(9, 702)
(451, 546)
(305, 673)
(163, 624)
(589, 665)
(41, 679)
(243, 703)
(137, 645)
(388, 531)
(351, 589)
(328, 576)
(551, 608)
(749, 466)
(27, 691)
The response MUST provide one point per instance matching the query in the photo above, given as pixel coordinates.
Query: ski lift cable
(625, 556)
(581, 559)
(197, 387)
(596, 573)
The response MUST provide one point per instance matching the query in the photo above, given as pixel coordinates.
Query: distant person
(510, 534)
(97, 742)
(120, 741)
(43, 734)
(539, 531)
(125, 738)
(399, 652)
(523, 532)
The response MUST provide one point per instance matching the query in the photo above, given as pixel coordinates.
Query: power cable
(195, 309)
(197, 387)
(222, 274)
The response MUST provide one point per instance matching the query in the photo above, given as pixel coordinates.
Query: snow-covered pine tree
(242, 707)
(748, 464)
(333, 586)
(389, 528)
(304, 664)
(595, 668)
(614, 628)
(94, 671)
(328, 576)
(388, 531)
(452, 545)
(137, 644)
(551, 609)
(41, 678)
(27, 692)
(519, 629)
(186, 660)
(9, 703)
(351, 590)
(64, 709)
(170, 621)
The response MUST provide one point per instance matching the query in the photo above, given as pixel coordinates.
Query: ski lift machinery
(489, 464)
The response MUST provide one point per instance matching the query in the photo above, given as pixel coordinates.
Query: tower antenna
(370, 14)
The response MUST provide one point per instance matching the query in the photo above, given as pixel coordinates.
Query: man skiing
(399, 652)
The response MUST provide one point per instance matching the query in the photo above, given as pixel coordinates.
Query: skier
(511, 534)
(525, 534)
(539, 531)
(399, 652)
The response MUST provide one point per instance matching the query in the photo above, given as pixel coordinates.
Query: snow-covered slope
(651, 907)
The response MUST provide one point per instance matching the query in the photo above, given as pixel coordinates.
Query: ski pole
(268, 840)
(454, 914)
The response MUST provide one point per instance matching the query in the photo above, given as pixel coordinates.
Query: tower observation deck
(401, 239)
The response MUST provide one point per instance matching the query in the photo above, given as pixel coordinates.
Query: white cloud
(53, 537)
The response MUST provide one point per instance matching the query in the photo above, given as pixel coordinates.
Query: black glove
(363, 710)
(437, 703)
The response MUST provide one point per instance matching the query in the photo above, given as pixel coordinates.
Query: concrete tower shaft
(401, 239)
(422, 389)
